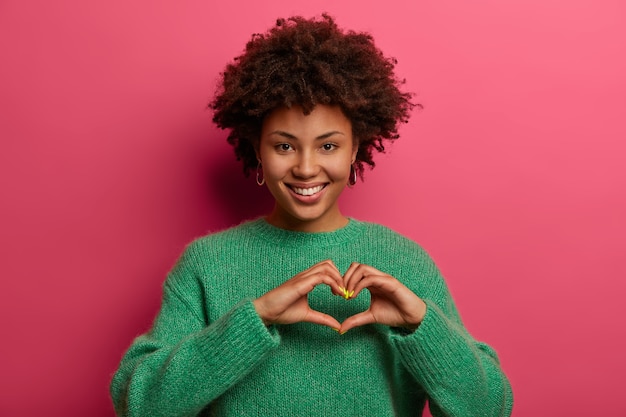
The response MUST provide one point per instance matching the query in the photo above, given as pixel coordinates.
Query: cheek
(339, 171)
(342, 167)
(272, 168)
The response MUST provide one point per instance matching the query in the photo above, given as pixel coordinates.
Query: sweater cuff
(436, 352)
(238, 341)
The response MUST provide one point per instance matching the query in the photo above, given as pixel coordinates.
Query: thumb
(316, 317)
(357, 320)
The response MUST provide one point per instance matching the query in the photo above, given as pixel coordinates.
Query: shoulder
(214, 251)
(386, 236)
(214, 245)
(396, 252)
(236, 234)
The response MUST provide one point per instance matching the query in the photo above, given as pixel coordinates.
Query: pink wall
(512, 177)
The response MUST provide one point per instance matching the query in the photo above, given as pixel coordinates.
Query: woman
(246, 318)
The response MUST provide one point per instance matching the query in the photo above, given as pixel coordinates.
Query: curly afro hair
(308, 62)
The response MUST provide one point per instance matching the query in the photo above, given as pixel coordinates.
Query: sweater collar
(285, 237)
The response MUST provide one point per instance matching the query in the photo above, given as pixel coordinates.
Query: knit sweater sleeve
(183, 362)
(461, 376)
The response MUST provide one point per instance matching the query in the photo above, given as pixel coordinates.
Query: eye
(284, 147)
(328, 147)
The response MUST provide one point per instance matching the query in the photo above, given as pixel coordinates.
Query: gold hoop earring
(352, 179)
(259, 169)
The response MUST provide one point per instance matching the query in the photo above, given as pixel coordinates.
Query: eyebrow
(320, 137)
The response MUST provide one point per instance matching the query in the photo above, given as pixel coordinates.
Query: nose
(306, 166)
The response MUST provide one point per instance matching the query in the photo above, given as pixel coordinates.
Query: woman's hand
(288, 303)
(392, 303)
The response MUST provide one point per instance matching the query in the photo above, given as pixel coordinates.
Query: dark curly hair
(308, 62)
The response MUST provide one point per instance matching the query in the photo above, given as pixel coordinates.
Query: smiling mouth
(307, 191)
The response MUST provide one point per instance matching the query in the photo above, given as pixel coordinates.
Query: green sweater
(208, 352)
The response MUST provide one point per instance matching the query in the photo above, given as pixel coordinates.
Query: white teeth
(308, 191)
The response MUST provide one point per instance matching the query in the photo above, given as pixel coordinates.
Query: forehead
(321, 120)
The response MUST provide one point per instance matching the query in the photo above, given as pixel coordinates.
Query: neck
(326, 224)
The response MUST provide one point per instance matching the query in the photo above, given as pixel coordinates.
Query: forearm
(461, 376)
(157, 378)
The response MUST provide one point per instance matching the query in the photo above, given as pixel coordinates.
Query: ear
(253, 141)
(257, 153)
(355, 150)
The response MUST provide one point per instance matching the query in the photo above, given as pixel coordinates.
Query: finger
(325, 263)
(357, 320)
(313, 316)
(307, 283)
(331, 263)
(361, 272)
(330, 269)
(408, 305)
(353, 273)
(297, 287)
(383, 283)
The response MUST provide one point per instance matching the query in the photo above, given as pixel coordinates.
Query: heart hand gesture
(392, 303)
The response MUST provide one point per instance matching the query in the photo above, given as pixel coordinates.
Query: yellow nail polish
(337, 330)
(351, 293)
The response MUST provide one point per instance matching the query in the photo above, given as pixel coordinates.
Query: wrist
(259, 311)
(412, 325)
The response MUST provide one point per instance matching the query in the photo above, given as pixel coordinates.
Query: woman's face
(306, 164)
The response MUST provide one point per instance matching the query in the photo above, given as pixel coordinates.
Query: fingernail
(337, 330)
(344, 332)
(351, 293)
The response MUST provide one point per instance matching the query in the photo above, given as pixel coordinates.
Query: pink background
(512, 177)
